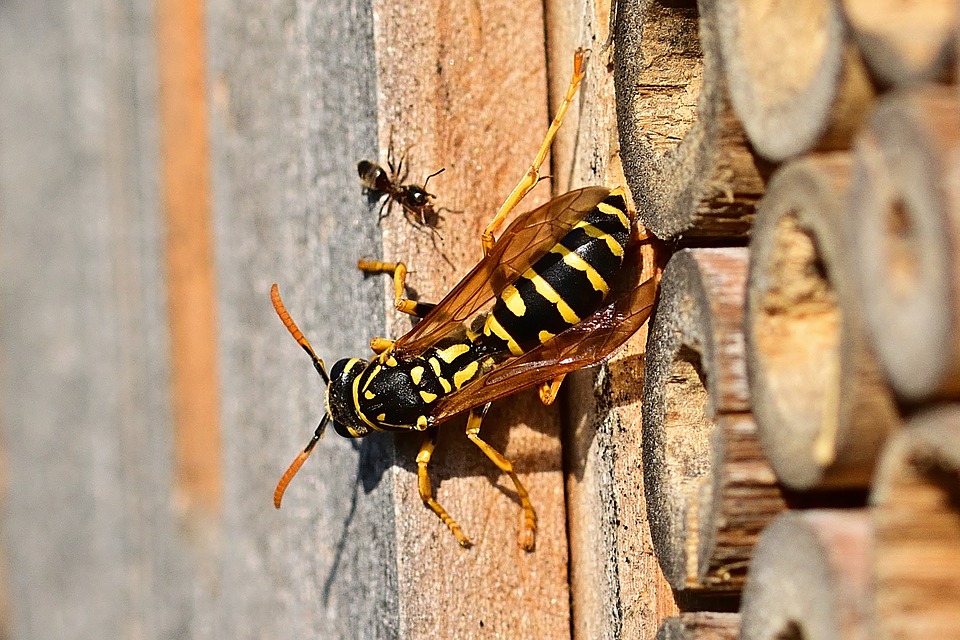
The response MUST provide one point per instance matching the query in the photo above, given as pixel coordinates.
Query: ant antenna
(431, 176)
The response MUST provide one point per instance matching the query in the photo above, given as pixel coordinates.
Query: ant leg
(399, 271)
(527, 538)
(386, 204)
(530, 179)
(549, 390)
(426, 493)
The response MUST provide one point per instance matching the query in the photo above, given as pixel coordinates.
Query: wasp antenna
(298, 462)
(296, 333)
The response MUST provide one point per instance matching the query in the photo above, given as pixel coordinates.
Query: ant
(415, 200)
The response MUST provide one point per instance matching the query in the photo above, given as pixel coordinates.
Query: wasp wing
(584, 344)
(521, 244)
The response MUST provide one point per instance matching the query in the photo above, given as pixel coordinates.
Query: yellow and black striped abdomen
(566, 285)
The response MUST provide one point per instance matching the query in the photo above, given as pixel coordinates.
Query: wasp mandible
(567, 283)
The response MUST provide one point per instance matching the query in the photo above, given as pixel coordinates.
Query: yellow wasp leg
(380, 345)
(530, 179)
(399, 271)
(549, 390)
(426, 493)
(527, 538)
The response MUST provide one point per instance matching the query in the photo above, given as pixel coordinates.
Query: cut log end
(809, 578)
(903, 189)
(694, 371)
(916, 512)
(684, 153)
(822, 408)
(794, 81)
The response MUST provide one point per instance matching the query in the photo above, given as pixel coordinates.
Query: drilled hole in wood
(668, 88)
(797, 332)
(782, 43)
(901, 250)
(790, 631)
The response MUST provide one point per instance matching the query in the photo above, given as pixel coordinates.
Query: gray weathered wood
(294, 93)
(93, 544)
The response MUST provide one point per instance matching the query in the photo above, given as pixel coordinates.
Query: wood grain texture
(904, 211)
(796, 81)
(694, 372)
(468, 92)
(810, 578)
(94, 545)
(701, 625)
(904, 43)
(685, 155)
(742, 496)
(617, 588)
(820, 401)
(293, 108)
(916, 516)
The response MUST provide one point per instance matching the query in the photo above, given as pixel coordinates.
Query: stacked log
(799, 467)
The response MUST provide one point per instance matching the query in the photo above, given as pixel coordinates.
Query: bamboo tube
(904, 42)
(701, 625)
(795, 80)
(906, 230)
(809, 578)
(700, 455)
(822, 408)
(916, 515)
(684, 153)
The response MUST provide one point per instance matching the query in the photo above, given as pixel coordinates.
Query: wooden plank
(617, 588)
(469, 93)
(462, 95)
(293, 108)
(185, 172)
(94, 548)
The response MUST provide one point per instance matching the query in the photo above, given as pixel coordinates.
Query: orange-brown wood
(916, 517)
(468, 92)
(190, 262)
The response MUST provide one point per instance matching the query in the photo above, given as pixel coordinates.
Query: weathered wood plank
(617, 588)
(468, 92)
(95, 549)
(294, 108)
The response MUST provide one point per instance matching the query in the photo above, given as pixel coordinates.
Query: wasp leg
(527, 538)
(549, 390)
(399, 271)
(380, 345)
(426, 493)
(532, 177)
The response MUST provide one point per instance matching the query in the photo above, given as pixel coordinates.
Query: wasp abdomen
(567, 284)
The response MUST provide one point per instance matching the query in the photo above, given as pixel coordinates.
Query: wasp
(562, 287)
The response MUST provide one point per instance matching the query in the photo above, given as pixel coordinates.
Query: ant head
(417, 197)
